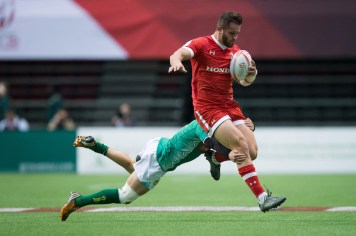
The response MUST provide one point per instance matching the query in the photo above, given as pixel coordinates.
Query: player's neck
(216, 39)
(216, 36)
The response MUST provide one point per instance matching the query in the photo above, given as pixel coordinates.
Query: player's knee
(243, 144)
(127, 194)
(253, 152)
(129, 167)
(250, 153)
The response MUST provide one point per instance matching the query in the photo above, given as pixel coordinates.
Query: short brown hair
(229, 16)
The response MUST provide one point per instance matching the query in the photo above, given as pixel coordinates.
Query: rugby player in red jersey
(214, 106)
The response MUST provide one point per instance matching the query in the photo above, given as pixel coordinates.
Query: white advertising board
(281, 150)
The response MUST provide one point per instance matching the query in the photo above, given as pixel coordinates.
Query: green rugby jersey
(182, 147)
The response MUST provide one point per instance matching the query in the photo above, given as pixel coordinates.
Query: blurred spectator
(122, 117)
(4, 99)
(61, 121)
(54, 103)
(13, 122)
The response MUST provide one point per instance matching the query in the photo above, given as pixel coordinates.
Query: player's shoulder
(235, 48)
(191, 128)
(198, 130)
(203, 40)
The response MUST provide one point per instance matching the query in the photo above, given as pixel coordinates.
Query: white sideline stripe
(176, 209)
(173, 209)
(349, 208)
(15, 209)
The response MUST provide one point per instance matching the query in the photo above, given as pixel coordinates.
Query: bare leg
(121, 159)
(136, 185)
(125, 195)
(251, 141)
(132, 189)
(233, 138)
(118, 157)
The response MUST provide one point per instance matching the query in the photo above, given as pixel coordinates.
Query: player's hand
(252, 71)
(250, 124)
(236, 157)
(176, 68)
(251, 75)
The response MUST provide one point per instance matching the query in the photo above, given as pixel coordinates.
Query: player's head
(228, 27)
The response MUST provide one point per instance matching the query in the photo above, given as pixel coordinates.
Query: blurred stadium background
(99, 54)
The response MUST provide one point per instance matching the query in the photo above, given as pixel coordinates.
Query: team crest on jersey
(211, 52)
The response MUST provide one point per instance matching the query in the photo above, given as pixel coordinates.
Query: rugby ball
(239, 64)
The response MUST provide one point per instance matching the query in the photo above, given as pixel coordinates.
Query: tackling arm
(220, 152)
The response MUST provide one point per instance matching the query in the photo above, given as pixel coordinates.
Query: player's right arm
(176, 59)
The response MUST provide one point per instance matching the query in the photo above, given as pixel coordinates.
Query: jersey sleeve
(194, 46)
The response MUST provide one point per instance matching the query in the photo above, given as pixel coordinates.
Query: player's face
(230, 34)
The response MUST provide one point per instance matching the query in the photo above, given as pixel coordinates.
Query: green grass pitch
(52, 190)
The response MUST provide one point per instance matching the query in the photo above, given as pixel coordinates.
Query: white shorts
(147, 168)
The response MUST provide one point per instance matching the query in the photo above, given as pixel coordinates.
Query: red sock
(249, 175)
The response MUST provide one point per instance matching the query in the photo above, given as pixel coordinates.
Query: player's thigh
(251, 140)
(230, 136)
(136, 184)
(147, 168)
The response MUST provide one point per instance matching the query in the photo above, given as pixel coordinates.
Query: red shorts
(210, 118)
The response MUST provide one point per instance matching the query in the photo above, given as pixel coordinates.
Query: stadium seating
(92, 91)
(312, 92)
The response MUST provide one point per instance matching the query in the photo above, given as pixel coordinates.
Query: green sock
(100, 148)
(105, 196)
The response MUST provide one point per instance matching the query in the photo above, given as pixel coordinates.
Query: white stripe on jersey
(203, 121)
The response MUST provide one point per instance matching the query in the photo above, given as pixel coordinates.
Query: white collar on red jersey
(223, 47)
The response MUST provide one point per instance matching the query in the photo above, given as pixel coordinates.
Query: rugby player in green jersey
(157, 157)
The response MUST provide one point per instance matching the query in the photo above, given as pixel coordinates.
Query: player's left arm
(251, 75)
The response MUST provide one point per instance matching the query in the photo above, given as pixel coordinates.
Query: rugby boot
(214, 166)
(70, 206)
(84, 141)
(271, 202)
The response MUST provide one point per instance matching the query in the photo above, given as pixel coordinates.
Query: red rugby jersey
(211, 79)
